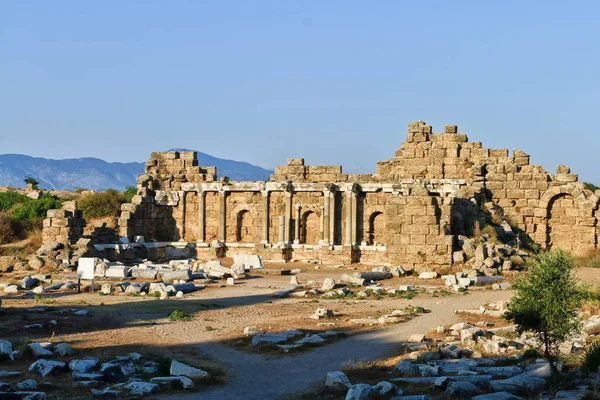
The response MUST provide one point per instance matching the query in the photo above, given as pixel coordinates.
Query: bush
(11, 229)
(102, 204)
(9, 199)
(591, 357)
(179, 315)
(129, 192)
(36, 209)
(546, 301)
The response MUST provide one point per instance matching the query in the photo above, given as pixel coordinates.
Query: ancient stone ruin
(413, 211)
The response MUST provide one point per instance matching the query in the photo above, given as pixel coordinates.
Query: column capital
(288, 194)
(298, 207)
(222, 193)
(265, 193)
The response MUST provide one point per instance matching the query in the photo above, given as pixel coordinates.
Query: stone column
(183, 211)
(222, 215)
(326, 218)
(354, 216)
(201, 215)
(281, 229)
(348, 236)
(332, 218)
(288, 216)
(265, 216)
(297, 224)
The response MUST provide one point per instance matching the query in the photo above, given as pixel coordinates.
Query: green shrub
(129, 192)
(36, 209)
(179, 315)
(9, 199)
(546, 301)
(102, 204)
(591, 357)
(590, 186)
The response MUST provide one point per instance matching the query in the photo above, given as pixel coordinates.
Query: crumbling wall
(64, 225)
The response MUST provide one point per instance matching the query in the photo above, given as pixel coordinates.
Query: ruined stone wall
(410, 211)
(212, 217)
(243, 217)
(64, 225)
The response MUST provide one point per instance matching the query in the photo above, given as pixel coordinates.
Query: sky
(334, 82)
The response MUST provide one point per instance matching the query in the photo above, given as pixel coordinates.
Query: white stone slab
(117, 272)
(86, 267)
(249, 261)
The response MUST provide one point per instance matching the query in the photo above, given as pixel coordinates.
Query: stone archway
(376, 233)
(244, 227)
(561, 231)
(311, 228)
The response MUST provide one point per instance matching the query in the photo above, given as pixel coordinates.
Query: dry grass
(589, 260)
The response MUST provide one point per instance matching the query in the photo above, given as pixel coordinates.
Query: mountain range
(97, 174)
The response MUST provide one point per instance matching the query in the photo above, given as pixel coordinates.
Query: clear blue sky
(335, 82)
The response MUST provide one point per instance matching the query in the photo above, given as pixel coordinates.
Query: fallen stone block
(6, 350)
(362, 391)
(27, 385)
(499, 372)
(144, 273)
(385, 390)
(63, 349)
(39, 351)
(461, 390)
(519, 386)
(141, 388)
(11, 289)
(353, 280)
(173, 382)
(248, 261)
(268, 338)
(181, 369)
(117, 271)
(170, 276)
(46, 368)
(337, 380)
(428, 275)
(373, 275)
(80, 376)
(322, 313)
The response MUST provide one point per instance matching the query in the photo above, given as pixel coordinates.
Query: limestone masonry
(414, 211)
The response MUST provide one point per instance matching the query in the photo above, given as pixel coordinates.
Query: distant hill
(97, 174)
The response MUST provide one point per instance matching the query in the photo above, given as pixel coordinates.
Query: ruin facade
(411, 212)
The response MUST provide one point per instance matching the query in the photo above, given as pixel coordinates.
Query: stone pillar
(322, 226)
(332, 218)
(326, 217)
(354, 216)
(183, 211)
(348, 236)
(281, 229)
(265, 216)
(288, 216)
(297, 224)
(222, 215)
(201, 215)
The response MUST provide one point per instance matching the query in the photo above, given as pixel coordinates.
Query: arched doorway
(562, 222)
(376, 229)
(244, 227)
(311, 229)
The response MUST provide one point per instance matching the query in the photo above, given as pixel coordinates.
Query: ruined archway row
(408, 212)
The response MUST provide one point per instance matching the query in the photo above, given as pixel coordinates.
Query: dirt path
(252, 376)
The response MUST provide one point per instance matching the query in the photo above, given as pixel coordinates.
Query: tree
(29, 181)
(546, 301)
